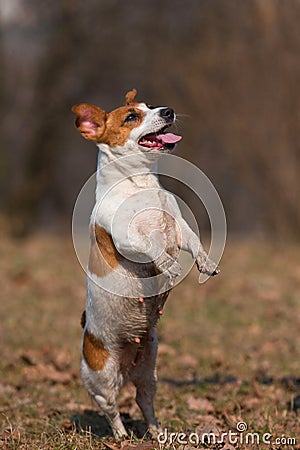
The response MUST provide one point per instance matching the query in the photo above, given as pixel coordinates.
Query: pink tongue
(169, 138)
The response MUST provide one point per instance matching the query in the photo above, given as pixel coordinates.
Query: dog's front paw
(168, 266)
(173, 271)
(206, 265)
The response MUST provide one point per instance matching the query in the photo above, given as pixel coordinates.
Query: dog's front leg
(145, 246)
(191, 243)
(188, 241)
(164, 262)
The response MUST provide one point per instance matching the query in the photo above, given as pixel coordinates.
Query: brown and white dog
(136, 233)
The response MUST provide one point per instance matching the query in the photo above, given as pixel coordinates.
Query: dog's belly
(140, 317)
(120, 319)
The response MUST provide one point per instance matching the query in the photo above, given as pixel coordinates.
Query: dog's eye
(131, 117)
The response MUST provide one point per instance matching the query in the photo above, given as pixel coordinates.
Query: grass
(229, 351)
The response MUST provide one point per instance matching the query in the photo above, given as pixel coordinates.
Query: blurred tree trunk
(4, 164)
(50, 98)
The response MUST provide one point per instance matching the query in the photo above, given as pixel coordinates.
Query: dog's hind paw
(155, 431)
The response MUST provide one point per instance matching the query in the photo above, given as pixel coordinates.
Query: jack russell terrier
(136, 233)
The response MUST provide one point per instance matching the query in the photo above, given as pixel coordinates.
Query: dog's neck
(134, 168)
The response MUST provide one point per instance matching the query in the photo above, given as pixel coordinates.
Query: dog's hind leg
(103, 386)
(144, 378)
(145, 392)
(109, 407)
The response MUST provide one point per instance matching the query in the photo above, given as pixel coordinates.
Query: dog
(136, 232)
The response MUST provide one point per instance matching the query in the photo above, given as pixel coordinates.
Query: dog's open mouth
(159, 140)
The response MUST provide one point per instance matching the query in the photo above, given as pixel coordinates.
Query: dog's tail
(83, 319)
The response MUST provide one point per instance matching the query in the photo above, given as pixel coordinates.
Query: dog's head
(135, 126)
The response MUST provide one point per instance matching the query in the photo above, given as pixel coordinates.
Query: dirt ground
(228, 358)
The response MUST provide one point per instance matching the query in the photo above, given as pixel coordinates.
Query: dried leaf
(186, 360)
(228, 447)
(31, 357)
(6, 389)
(111, 446)
(46, 372)
(68, 425)
(141, 446)
(200, 404)
(61, 359)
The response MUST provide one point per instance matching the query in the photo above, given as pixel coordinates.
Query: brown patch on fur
(130, 97)
(103, 254)
(90, 121)
(83, 319)
(94, 351)
(117, 128)
(111, 129)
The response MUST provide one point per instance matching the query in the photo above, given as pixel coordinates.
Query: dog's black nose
(167, 113)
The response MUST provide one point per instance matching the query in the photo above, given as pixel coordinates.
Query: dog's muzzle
(168, 114)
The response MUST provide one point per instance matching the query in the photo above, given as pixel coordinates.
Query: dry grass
(229, 350)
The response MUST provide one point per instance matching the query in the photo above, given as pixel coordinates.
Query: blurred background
(230, 68)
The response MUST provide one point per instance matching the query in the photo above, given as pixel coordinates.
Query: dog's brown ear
(130, 97)
(90, 121)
